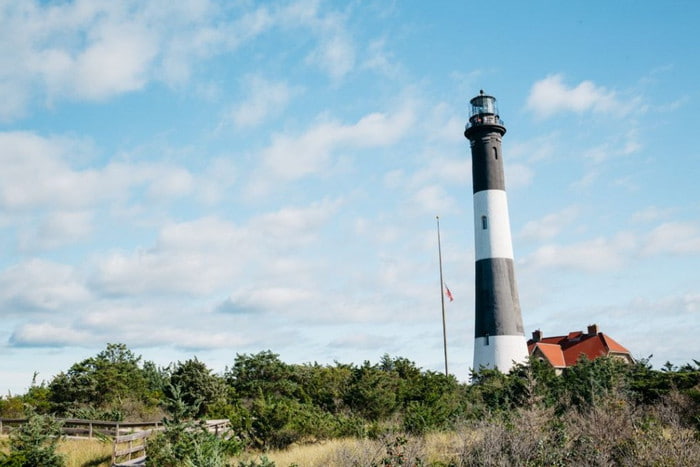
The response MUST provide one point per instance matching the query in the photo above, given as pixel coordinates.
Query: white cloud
(335, 51)
(133, 325)
(34, 171)
(550, 225)
(267, 298)
(293, 157)
(519, 176)
(620, 145)
(674, 238)
(660, 332)
(208, 254)
(378, 231)
(40, 285)
(118, 62)
(587, 179)
(439, 169)
(595, 255)
(651, 214)
(37, 172)
(85, 50)
(58, 228)
(90, 50)
(361, 340)
(213, 184)
(335, 55)
(13, 99)
(198, 339)
(291, 226)
(167, 182)
(264, 98)
(380, 60)
(47, 335)
(614, 252)
(536, 149)
(551, 96)
(49, 198)
(433, 199)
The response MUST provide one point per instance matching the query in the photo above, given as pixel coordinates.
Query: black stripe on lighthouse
(487, 163)
(497, 303)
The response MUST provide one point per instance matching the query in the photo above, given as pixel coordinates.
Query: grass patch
(77, 452)
(85, 452)
(436, 448)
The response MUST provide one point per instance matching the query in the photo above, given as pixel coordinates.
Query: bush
(190, 444)
(12, 407)
(34, 444)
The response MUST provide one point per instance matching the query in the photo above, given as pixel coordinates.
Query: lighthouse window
(484, 223)
(495, 153)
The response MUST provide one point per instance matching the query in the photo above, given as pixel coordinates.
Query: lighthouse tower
(499, 339)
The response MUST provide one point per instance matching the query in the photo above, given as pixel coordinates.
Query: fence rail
(130, 449)
(81, 428)
(129, 438)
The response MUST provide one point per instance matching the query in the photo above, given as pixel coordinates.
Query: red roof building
(563, 351)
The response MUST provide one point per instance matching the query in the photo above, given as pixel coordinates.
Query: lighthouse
(499, 340)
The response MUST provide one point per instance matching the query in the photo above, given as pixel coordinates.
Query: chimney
(593, 329)
(537, 335)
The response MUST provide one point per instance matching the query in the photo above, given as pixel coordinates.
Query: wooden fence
(130, 449)
(81, 428)
(129, 438)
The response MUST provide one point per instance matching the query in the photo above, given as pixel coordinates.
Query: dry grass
(434, 447)
(85, 452)
(616, 434)
(318, 454)
(612, 434)
(77, 452)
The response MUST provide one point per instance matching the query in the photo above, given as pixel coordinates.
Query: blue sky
(210, 178)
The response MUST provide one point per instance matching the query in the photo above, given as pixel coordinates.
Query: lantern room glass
(484, 105)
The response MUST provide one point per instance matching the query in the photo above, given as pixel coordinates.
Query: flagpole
(442, 295)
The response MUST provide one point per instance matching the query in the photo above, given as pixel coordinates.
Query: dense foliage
(34, 444)
(185, 441)
(595, 412)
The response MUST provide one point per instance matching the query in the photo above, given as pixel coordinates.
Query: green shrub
(34, 444)
(190, 444)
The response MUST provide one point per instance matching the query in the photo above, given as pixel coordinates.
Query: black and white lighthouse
(499, 338)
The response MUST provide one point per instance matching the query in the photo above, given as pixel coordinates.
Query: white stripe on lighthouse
(499, 352)
(491, 225)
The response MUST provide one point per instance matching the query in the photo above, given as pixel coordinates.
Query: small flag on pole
(448, 293)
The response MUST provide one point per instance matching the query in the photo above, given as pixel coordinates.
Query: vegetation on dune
(34, 444)
(597, 412)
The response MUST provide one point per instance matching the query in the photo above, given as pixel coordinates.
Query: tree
(186, 442)
(324, 386)
(372, 392)
(109, 378)
(198, 387)
(37, 397)
(590, 381)
(34, 444)
(262, 373)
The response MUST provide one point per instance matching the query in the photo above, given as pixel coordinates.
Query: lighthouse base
(499, 352)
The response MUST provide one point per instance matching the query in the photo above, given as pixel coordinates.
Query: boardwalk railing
(81, 428)
(130, 449)
(129, 438)
(221, 427)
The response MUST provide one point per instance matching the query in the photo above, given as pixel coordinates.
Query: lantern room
(484, 112)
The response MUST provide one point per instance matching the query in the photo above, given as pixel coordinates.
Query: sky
(212, 178)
